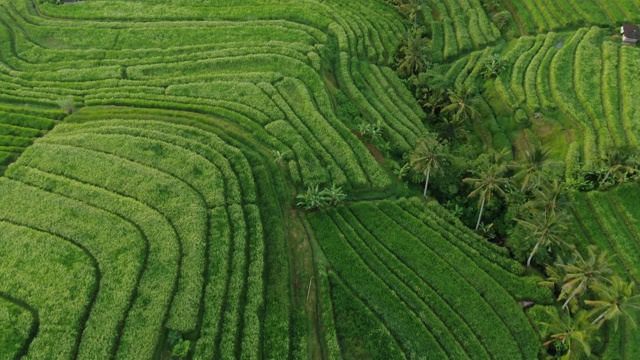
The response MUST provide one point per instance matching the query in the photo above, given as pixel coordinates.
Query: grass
(157, 206)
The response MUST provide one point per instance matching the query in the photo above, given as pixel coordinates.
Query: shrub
(67, 105)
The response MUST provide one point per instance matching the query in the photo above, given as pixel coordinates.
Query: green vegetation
(242, 179)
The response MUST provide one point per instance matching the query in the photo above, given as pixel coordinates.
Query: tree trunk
(564, 306)
(535, 249)
(426, 183)
(599, 318)
(480, 216)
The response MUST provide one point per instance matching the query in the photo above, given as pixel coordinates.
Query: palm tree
(545, 228)
(552, 197)
(414, 56)
(487, 183)
(463, 102)
(582, 274)
(574, 333)
(427, 156)
(616, 300)
(532, 165)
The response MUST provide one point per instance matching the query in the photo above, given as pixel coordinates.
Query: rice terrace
(319, 179)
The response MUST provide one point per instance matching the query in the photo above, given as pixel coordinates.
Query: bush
(67, 105)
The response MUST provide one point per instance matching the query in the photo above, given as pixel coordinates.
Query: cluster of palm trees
(592, 295)
(590, 292)
(542, 213)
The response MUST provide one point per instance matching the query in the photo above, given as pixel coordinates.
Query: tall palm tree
(545, 228)
(463, 102)
(487, 183)
(428, 156)
(616, 300)
(574, 333)
(531, 166)
(413, 55)
(581, 274)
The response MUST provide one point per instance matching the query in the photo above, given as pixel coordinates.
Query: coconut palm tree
(551, 197)
(581, 274)
(413, 55)
(428, 156)
(531, 166)
(545, 228)
(487, 183)
(615, 300)
(463, 102)
(574, 333)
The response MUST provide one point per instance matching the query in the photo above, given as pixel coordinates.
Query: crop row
(506, 271)
(498, 302)
(55, 277)
(19, 127)
(588, 78)
(588, 85)
(460, 26)
(134, 141)
(503, 81)
(546, 15)
(629, 103)
(535, 75)
(254, 115)
(145, 317)
(398, 258)
(21, 321)
(208, 338)
(396, 315)
(66, 157)
(611, 103)
(116, 265)
(141, 70)
(423, 293)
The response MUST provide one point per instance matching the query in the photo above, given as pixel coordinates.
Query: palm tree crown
(531, 167)
(545, 228)
(414, 56)
(488, 182)
(463, 102)
(428, 156)
(574, 333)
(616, 300)
(581, 274)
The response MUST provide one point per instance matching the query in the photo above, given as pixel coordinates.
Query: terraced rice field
(610, 221)
(585, 76)
(581, 83)
(457, 26)
(423, 285)
(157, 207)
